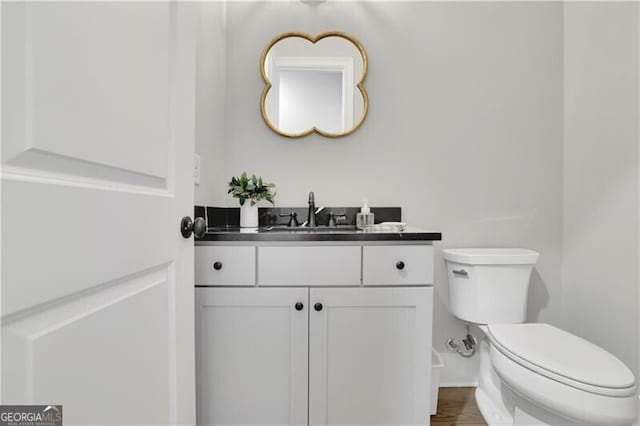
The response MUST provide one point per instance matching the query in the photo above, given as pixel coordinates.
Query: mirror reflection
(314, 84)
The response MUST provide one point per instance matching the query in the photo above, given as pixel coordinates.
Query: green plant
(252, 189)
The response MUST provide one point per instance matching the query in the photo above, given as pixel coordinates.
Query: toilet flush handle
(460, 272)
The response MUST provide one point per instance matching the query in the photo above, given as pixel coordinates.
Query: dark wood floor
(457, 406)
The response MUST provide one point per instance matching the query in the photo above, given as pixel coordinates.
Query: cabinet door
(251, 354)
(370, 356)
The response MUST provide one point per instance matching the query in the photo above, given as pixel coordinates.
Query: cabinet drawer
(304, 266)
(237, 265)
(397, 265)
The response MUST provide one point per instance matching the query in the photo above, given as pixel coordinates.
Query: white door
(252, 348)
(370, 356)
(97, 151)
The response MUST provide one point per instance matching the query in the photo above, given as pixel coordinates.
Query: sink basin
(284, 228)
(311, 228)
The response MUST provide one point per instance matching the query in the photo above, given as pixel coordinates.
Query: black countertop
(265, 233)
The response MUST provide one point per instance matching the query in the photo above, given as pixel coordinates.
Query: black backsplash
(223, 217)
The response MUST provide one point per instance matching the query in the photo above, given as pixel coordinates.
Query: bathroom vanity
(314, 327)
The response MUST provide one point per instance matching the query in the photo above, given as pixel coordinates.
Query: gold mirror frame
(314, 40)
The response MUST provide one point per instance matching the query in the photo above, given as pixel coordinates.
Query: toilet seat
(564, 357)
(562, 372)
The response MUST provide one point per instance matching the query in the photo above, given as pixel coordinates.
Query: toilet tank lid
(568, 357)
(491, 256)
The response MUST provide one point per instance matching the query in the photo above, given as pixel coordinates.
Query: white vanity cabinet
(317, 348)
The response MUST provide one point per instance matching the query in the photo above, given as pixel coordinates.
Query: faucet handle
(293, 219)
(333, 216)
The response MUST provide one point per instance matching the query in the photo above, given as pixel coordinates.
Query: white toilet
(532, 374)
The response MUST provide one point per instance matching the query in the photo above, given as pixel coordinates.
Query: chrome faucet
(311, 217)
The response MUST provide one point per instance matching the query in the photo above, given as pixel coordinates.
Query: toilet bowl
(532, 373)
(563, 374)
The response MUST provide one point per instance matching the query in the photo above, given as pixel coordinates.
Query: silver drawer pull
(460, 272)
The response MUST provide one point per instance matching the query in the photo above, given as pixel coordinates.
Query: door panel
(97, 145)
(251, 356)
(66, 57)
(106, 324)
(370, 356)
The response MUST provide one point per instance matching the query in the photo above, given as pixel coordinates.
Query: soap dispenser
(364, 219)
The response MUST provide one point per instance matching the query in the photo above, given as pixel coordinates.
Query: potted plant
(249, 191)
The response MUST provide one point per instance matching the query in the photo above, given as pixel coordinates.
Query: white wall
(464, 129)
(600, 232)
(210, 102)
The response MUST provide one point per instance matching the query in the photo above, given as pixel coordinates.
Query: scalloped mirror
(314, 84)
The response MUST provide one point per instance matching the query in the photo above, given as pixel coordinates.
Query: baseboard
(471, 384)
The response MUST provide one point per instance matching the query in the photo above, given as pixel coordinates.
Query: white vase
(249, 215)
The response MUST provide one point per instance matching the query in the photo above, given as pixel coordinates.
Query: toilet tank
(489, 285)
